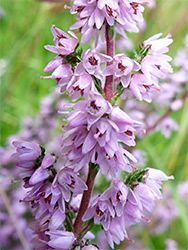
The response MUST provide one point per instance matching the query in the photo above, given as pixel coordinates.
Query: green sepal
(114, 98)
(119, 87)
(68, 224)
(54, 171)
(134, 178)
(93, 167)
(42, 152)
(142, 53)
(98, 86)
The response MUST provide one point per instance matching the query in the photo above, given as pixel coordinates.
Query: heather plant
(98, 137)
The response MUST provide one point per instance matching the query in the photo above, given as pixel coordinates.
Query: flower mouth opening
(99, 212)
(121, 67)
(93, 108)
(118, 196)
(111, 12)
(93, 61)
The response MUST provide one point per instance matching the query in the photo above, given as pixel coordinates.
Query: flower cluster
(49, 190)
(124, 203)
(92, 15)
(93, 134)
(98, 135)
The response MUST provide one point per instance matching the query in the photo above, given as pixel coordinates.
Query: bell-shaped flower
(93, 14)
(116, 232)
(92, 60)
(167, 126)
(27, 151)
(141, 87)
(54, 63)
(155, 63)
(158, 46)
(122, 68)
(101, 210)
(88, 111)
(98, 142)
(144, 194)
(79, 85)
(42, 173)
(118, 193)
(64, 44)
(156, 66)
(62, 240)
(70, 182)
(57, 219)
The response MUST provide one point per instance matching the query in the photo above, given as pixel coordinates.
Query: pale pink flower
(122, 68)
(62, 240)
(64, 44)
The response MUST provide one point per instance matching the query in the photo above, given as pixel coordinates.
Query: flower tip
(127, 238)
(45, 77)
(169, 36)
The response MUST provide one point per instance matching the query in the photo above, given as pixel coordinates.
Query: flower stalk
(78, 225)
(108, 88)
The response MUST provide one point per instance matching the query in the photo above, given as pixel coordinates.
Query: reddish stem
(78, 225)
(108, 88)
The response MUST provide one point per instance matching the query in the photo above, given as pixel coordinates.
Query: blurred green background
(25, 29)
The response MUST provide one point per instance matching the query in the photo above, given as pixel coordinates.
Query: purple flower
(158, 46)
(132, 210)
(142, 195)
(99, 142)
(92, 14)
(54, 63)
(116, 231)
(141, 87)
(64, 44)
(42, 173)
(62, 73)
(122, 69)
(176, 105)
(88, 111)
(61, 239)
(167, 126)
(155, 64)
(91, 61)
(118, 193)
(27, 151)
(171, 244)
(70, 182)
(79, 85)
(146, 193)
(102, 211)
